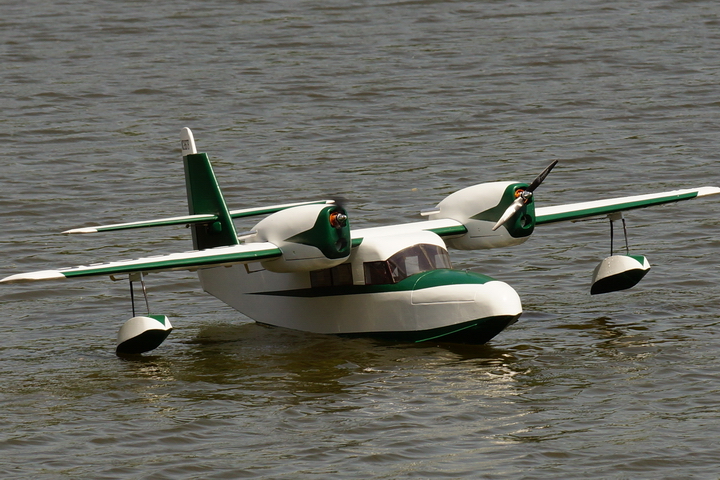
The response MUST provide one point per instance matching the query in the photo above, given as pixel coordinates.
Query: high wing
(213, 257)
(462, 224)
(192, 260)
(315, 235)
(599, 208)
(462, 232)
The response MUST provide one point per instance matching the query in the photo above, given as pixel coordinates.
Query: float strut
(132, 291)
(613, 217)
(627, 247)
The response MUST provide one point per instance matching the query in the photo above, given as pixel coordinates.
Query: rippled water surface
(392, 105)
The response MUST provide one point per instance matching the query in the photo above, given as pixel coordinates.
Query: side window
(442, 259)
(321, 278)
(377, 273)
(329, 277)
(342, 274)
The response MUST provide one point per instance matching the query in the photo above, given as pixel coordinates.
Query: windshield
(406, 262)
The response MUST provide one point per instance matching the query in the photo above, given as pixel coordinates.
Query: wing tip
(81, 230)
(33, 276)
(704, 191)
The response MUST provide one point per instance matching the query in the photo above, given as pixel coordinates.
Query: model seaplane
(302, 267)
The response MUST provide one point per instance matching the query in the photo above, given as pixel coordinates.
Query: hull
(475, 332)
(445, 305)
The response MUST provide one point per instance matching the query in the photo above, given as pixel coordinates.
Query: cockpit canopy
(408, 261)
(382, 260)
(390, 259)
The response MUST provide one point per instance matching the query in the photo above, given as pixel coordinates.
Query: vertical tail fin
(205, 197)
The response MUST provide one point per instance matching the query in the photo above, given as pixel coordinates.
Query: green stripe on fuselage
(432, 278)
(474, 332)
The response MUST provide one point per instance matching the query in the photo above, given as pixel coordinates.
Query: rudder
(204, 197)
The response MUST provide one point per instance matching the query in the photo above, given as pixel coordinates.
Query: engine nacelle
(311, 237)
(479, 207)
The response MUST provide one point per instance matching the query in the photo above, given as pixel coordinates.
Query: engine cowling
(311, 237)
(479, 207)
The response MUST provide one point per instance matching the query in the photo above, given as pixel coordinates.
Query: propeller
(523, 196)
(340, 201)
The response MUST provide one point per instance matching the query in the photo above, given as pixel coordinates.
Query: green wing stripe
(604, 207)
(172, 264)
(452, 231)
(175, 261)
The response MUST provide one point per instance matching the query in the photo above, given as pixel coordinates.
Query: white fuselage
(398, 285)
(287, 300)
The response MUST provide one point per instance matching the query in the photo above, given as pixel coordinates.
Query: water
(393, 105)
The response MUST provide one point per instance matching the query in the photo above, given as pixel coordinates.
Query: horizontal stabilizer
(578, 211)
(193, 260)
(191, 219)
(184, 220)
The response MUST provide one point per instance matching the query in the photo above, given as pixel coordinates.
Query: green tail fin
(205, 197)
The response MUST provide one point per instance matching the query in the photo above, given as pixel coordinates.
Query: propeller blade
(511, 210)
(340, 201)
(540, 178)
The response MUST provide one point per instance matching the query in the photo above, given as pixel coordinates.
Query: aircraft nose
(477, 307)
(481, 296)
(497, 298)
